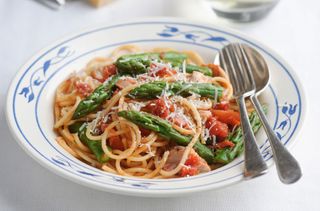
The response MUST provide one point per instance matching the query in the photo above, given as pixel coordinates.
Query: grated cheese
(136, 106)
(185, 88)
(106, 117)
(207, 136)
(93, 125)
(179, 113)
(198, 103)
(148, 148)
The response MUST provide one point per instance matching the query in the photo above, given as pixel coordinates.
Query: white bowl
(31, 94)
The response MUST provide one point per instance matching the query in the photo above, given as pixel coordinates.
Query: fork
(235, 63)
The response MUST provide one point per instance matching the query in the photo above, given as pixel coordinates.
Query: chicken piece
(194, 163)
(175, 155)
(199, 77)
(124, 82)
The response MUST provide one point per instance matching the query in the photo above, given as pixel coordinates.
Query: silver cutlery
(234, 61)
(288, 168)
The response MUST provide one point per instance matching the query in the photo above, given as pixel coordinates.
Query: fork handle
(288, 168)
(254, 162)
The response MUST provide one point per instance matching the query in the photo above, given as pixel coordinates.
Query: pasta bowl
(31, 94)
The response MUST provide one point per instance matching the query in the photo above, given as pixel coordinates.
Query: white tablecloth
(292, 29)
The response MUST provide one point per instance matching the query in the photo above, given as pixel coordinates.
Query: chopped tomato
(83, 88)
(215, 69)
(229, 117)
(165, 72)
(157, 107)
(172, 109)
(217, 128)
(161, 71)
(224, 144)
(103, 74)
(222, 106)
(188, 171)
(192, 160)
(194, 165)
(115, 143)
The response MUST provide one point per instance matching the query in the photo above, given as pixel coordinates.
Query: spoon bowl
(260, 69)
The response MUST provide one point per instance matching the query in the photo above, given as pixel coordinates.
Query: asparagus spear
(97, 97)
(205, 70)
(93, 145)
(154, 89)
(226, 155)
(135, 64)
(173, 57)
(164, 129)
(202, 89)
(75, 127)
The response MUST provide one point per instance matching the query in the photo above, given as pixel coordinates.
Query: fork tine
(227, 66)
(240, 66)
(240, 69)
(244, 68)
(248, 70)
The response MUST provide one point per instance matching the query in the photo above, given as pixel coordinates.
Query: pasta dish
(155, 113)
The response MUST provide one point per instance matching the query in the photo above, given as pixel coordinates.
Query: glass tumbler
(242, 10)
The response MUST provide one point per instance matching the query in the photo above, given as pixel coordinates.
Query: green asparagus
(97, 97)
(75, 127)
(154, 89)
(135, 64)
(226, 155)
(164, 129)
(176, 59)
(205, 70)
(93, 145)
(139, 63)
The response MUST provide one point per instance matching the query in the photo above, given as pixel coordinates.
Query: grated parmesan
(136, 106)
(148, 148)
(93, 125)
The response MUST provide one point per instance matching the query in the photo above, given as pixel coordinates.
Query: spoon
(287, 166)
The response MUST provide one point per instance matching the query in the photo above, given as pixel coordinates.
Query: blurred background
(290, 27)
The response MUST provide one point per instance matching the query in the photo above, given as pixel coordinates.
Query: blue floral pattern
(37, 77)
(64, 163)
(283, 128)
(193, 35)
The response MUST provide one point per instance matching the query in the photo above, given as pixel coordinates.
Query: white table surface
(292, 29)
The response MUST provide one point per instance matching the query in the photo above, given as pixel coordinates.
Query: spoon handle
(254, 163)
(288, 168)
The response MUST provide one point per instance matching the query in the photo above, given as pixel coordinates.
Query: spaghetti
(155, 113)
